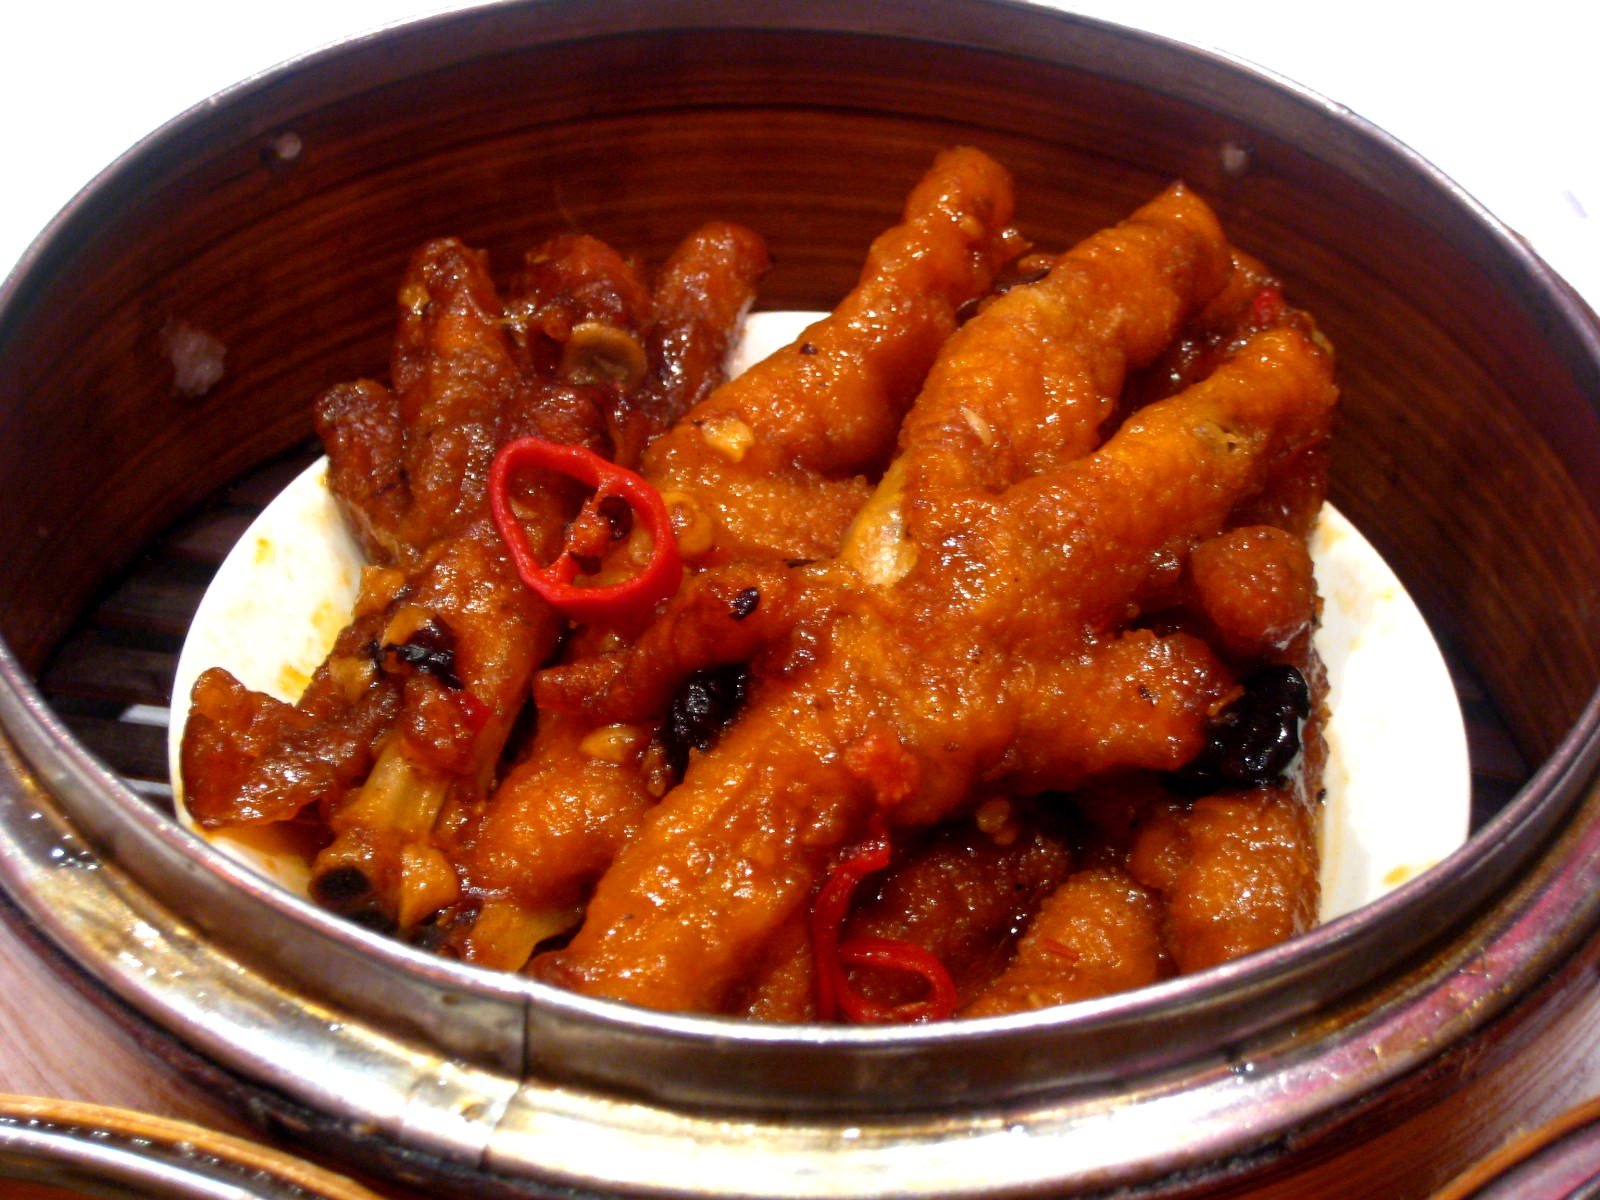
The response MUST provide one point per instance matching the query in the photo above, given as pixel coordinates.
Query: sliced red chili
(556, 581)
(896, 954)
(831, 907)
(835, 995)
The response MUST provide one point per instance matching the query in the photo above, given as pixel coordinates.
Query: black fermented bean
(1253, 741)
(705, 705)
(743, 604)
(431, 649)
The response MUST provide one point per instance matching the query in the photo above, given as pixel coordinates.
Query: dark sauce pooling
(705, 705)
(1253, 741)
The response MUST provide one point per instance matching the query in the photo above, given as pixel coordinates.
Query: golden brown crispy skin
(722, 615)
(396, 742)
(963, 892)
(1238, 873)
(1028, 385)
(1097, 934)
(555, 821)
(454, 373)
(359, 425)
(553, 828)
(1136, 701)
(800, 427)
(1019, 651)
(913, 688)
(701, 293)
(388, 859)
(773, 461)
(1255, 586)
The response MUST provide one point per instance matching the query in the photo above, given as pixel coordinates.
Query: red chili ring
(657, 579)
(896, 954)
(835, 996)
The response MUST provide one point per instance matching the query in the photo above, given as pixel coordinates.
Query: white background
(1505, 98)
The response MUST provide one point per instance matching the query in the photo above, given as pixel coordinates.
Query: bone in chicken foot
(397, 839)
(735, 850)
(446, 637)
(246, 760)
(772, 465)
(1169, 260)
(791, 437)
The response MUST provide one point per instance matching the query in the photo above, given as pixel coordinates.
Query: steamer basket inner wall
(1470, 443)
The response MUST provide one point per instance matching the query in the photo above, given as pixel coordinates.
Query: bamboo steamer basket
(277, 218)
(64, 1150)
